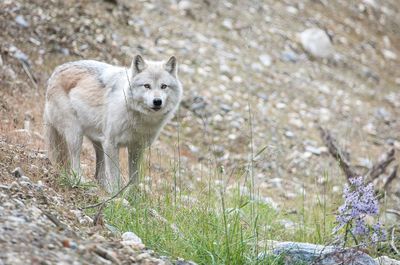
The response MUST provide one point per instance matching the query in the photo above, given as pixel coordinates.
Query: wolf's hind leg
(100, 166)
(74, 137)
(56, 145)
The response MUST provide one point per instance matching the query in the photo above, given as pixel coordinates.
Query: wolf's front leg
(111, 181)
(135, 153)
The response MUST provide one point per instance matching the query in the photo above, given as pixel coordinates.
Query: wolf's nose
(157, 102)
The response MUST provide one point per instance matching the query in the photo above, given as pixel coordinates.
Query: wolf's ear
(171, 66)
(138, 65)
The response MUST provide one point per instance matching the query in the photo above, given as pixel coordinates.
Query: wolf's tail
(56, 146)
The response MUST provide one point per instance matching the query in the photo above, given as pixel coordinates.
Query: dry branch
(109, 199)
(98, 218)
(337, 153)
(380, 166)
(29, 74)
(393, 212)
(391, 177)
(106, 254)
(377, 169)
(392, 242)
(54, 220)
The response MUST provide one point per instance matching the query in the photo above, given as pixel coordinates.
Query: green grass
(217, 226)
(73, 180)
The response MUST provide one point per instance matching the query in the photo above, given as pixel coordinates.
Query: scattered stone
(21, 21)
(185, 5)
(288, 224)
(372, 3)
(40, 184)
(280, 105)
(17, 172)
(316, 42)
(18, 54)
(296, 122)
(389, 55)
(35, 41)
(383, 114)
(292, 10)
(100, 38)
(143, 256)
(289, 56)
(364, 162)
(289, 134)
(124, 202)
(313, 150)
(265, 59)
(237, 79)
(370, 129)
(275, 182)
(225, 69)
(258, 67)
(225, 107)
(26, 184)
(130, 236)
(14, 186)
(227, 23)
(189, 200)
(86, 220)
(336, 189)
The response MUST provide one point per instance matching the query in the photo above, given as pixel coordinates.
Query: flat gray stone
(384, 260)
(320, 255)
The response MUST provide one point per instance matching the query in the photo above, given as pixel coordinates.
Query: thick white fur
(113, 108)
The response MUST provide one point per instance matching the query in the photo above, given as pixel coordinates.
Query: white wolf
(114, 107)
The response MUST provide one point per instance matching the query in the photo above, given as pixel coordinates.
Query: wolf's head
(155, 87)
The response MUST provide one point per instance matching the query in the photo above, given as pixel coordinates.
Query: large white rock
(316, 42)
(130, 236)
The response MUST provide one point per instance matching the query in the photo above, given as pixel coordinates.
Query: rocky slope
(237, 60)
(253, 81)
(41, 226)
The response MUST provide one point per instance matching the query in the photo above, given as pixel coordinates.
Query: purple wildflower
(359, 202)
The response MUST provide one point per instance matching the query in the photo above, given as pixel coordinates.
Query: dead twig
(54, 220)
(109, 199)
(391, 177)
(337, 153)
(98, 218)
(375, 172)
(106, 254)
(29, 74)
(380, 166)
(392, 244)
(393, 212)
(57, 222)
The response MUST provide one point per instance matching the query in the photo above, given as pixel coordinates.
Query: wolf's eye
(147, 86)
(163, 86)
